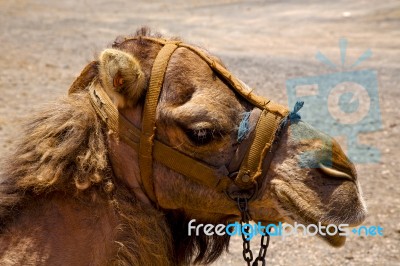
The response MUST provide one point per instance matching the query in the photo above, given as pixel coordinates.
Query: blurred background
(45, 44)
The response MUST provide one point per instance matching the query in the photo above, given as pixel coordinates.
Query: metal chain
(243, 208)
(263, 249)
(247, 253)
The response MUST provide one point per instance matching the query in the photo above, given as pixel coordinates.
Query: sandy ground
(45, 44)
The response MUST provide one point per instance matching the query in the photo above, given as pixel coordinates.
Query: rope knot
(294, 115)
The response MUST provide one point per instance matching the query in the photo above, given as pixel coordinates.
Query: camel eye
(200, 136)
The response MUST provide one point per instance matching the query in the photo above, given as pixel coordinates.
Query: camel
(74, 192)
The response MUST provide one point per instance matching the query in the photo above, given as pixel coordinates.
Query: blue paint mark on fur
(244, 127)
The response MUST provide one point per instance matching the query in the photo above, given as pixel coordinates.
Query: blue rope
(244, 127)
(294, 115)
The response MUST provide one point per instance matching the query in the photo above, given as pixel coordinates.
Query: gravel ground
(45, 44)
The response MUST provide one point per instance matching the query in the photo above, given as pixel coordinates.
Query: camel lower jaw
(338, 240)
(343, 227)
(334, 240)
(320, 229)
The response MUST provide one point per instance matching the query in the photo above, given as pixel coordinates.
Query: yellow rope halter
(149, 148)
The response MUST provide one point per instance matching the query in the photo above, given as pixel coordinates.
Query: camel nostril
(331, 172)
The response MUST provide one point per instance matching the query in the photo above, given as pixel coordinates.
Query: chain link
(247, 253)
(243, 208)
(263, 249)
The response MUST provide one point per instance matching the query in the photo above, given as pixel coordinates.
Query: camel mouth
(341, 228)
(296, 208)
(335, 240)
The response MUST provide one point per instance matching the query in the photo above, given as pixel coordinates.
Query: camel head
(309, 178)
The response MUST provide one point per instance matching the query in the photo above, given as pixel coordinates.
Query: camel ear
(121, 77)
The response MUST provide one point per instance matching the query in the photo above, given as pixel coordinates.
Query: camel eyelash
(202, 136)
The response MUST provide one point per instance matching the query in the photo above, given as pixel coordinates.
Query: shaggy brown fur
(63, 151)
